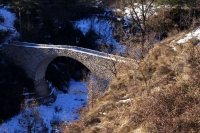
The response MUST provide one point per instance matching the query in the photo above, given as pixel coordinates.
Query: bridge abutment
(41, 88)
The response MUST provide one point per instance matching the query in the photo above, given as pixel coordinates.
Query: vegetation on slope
(160, 94)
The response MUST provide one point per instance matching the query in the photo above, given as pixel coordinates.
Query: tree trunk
(20, 24)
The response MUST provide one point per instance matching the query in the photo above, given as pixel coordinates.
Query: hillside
(161, 94)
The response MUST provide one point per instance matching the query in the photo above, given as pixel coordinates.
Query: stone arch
(62, 69)
(41, 68)
(41, 88)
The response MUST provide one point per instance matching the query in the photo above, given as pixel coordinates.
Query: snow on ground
(195, 34)
(64, 108)
(8, 23)
(103, 28)
(9, 19)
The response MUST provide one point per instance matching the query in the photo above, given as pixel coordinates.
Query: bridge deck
(72, 48)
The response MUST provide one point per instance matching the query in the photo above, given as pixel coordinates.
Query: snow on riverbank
(65, 108)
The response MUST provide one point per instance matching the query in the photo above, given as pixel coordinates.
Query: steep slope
(161, 94)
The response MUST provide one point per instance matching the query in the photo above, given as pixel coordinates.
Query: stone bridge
(34, 59)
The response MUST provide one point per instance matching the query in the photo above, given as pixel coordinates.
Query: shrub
(30, 120)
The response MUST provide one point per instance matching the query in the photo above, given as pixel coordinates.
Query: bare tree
(96, 87)
(137, 12)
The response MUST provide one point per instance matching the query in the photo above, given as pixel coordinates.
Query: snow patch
(125, 101)
(103, 28)
(8, 23)
(9, 19)
(195, 33)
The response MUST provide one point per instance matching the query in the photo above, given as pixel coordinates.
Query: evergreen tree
(24, 6)
(175, 2)
(182, 15)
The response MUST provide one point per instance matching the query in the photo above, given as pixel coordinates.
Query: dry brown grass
(161, 95)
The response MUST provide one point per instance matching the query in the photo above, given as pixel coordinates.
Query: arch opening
(62, 69)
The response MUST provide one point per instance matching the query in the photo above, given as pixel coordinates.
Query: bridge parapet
(88, 51)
